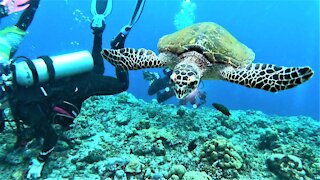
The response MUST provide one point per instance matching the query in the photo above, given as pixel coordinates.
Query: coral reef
(286, 166)
(121, 137)
(221, 155)
(196, 175)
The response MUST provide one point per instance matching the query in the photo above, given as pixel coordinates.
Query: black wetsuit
(159, 86)
(36, 108)
(36, 105)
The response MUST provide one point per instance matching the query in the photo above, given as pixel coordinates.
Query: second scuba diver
(163, 88)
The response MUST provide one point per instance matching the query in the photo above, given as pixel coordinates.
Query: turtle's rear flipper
(133, 59)
(268, 77)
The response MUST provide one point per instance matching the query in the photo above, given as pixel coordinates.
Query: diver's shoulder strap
(50, 67)
(34, 71)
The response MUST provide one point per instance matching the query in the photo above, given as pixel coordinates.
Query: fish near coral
(192, 145)
(222, 109)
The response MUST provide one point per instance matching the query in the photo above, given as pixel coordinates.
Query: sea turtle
(208, 51)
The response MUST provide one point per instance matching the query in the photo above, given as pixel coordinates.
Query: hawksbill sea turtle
(208, 51)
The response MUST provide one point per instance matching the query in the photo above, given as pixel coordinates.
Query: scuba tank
(45, 68)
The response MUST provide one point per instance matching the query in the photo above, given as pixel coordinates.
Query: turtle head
(185, 78)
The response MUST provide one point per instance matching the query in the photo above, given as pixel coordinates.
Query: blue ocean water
(282, 32)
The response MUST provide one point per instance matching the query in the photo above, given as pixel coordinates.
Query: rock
(286, 166)
(110, 165)
(222, 150)
(196, 175)
(157, 176)
(152, 114)
(134, 166)
(122, 120)
(120, 175)
(148, 173)
(174, 177)
(142, 149)
(221, 155)
(86, 176)
(178, 170)
(143, 124)
(268, 140)
(225, 132)
(94, 156)
(181, 112)
(159, 149)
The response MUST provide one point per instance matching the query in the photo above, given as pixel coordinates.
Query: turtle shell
(210, 39)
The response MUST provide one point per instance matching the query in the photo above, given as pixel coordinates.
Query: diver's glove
(12, 6)
(5, 77)
(98, 29)
(4, 69)
(4, 11)
(35, 169)
(118, 41)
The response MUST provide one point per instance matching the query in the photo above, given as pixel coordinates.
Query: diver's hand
(35, 169)
(15, 5)
(118, 41)
(98, 30)
(4, 68)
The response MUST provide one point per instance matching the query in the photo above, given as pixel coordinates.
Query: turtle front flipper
(133, 59)
(268, 77)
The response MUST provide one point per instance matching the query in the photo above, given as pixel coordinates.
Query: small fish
(192, 145)
(222, 109)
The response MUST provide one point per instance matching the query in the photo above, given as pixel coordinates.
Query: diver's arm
(119, 40)
(118, 43)
(96, 49)
(26, 19)
(165, 95)
(27, 16)
(92, 84)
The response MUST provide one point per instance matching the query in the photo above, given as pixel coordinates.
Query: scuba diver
(195, 98)
(10, 39)
(8, 7)
(54, 94)
(162, 87)
(159, 85)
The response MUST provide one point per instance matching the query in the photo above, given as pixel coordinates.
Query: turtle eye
(173, 77)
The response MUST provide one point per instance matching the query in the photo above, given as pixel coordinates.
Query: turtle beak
(180, 92)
